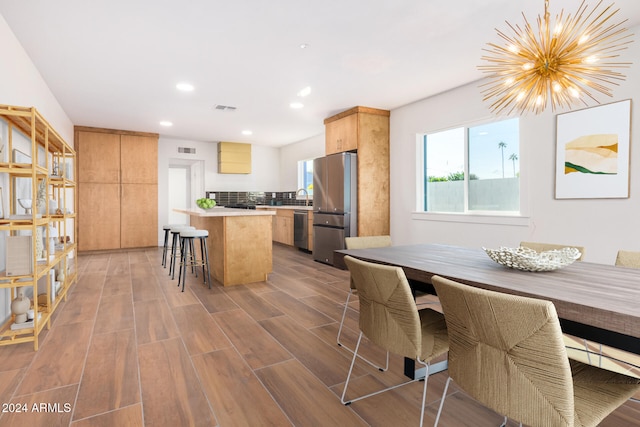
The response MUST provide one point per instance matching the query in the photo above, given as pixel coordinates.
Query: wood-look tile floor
(129, 349)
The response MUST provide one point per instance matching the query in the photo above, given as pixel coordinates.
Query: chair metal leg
(202, 257)
(353, 361)
(193, 258)
(173, 249)
(183, 263)
(344, 313)
(206, 260)
(424, 396)
(165, 248)
(444, 394)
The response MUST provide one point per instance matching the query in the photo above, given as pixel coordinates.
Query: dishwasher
(301, 230)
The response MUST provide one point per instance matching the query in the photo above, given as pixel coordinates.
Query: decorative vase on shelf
(20, 306)
(39, 243)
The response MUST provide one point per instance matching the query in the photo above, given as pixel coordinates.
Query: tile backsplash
(224, 198)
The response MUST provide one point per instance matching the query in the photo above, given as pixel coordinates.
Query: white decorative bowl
(25, 203)
(527, 259)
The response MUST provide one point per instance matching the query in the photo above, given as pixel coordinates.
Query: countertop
(290, 207)
(222, 211)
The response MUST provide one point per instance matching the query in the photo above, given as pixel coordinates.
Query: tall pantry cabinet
(118, 189)
(365, 131)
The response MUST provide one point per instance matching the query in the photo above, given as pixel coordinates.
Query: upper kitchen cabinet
(346, 131)
(118, 187)
(365, 130)
(234, 157)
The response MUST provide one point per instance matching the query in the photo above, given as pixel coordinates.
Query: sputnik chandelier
(563, 64)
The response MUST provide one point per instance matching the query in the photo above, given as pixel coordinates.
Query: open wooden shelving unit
(49, 153)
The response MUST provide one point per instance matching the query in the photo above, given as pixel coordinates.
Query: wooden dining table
(598, 302)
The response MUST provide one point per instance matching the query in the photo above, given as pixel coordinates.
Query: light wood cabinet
(342, 134)
(283, 226)
(118, 185)
(138, 205)
(369, 127)
(39, 165)
(99, 222)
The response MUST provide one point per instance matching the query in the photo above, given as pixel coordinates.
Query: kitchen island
(239, 243)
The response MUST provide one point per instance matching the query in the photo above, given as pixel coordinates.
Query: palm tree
(502, 145)
(513, 157)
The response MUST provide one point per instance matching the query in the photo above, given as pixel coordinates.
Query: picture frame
(592, 152)
(2, 209)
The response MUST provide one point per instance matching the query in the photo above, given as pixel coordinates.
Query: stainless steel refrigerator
(334, 203)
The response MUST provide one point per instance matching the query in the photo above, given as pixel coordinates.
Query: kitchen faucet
(306, 194)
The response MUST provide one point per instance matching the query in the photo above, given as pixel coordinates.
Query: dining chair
(362, 242)
(390, 318)
(507, 352)
(629, 259)
(576, 353)
(542, 247)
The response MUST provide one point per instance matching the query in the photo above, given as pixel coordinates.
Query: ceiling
(116, 63)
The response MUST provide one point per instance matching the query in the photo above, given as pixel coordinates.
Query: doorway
(186, 184)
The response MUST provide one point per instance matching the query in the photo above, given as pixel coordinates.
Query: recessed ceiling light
(304, 45)
(185, 87)
(247, 132)
(296, 105)
(166, 123)
(304, 92)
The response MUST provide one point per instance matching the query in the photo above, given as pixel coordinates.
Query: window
(474, 169)
(305, 176)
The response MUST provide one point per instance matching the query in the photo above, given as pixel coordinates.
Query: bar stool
(167, 229)
(175, 249)
(186, 245)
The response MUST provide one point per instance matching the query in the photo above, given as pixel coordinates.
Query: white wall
(264, 176)
(21, 84)
(601, 225)
(291, 154)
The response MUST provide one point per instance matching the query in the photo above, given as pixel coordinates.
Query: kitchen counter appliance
(301, 230)
(334, 204)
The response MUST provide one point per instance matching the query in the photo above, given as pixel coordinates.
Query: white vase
(19, 307)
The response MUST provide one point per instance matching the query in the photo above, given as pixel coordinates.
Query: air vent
(186, 150)
(224, 107)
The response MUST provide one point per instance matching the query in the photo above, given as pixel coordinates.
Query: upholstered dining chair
(541, 247)
(575, 353)
(390, 318)
(507, 352)
(362, 242)
(629, 259)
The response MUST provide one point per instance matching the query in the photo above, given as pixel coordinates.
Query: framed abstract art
(592, 152)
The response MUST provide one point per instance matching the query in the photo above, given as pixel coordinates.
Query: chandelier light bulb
(525, 72)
